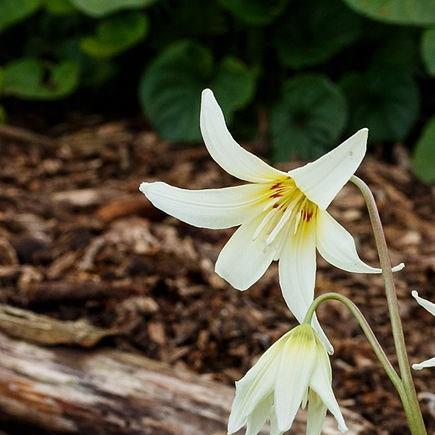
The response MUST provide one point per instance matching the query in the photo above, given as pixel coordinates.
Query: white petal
(208, 208)
(322, 179)
(274, 430)
(243, 261)
(430, 306)
(337, 246)
(316, 414)
(321, 384)
(259, 415)
(292, 381)
(225, 150)
(428, 363)
(256, 385)
(297, 274)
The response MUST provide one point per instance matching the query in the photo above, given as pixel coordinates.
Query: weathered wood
(112, 392)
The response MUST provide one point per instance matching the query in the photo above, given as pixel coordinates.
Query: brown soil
(77, 240)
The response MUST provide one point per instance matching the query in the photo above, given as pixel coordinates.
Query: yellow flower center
(285, 205)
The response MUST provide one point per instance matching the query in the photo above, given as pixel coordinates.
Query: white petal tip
(398, 267)
(417, 367)
(207, 93)
(143, 187)
(342, 428)
(330, 350)
(229, 280)
(414, 293)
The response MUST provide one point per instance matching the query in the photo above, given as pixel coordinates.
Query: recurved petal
(208, 208)
(244, 259)
(428, 363)
(292, 381)
(316, 414)
(322, 179)
(430, 306)
(225, 150)
(297, 274)
(255, 386)
(321, 383)
(337, 246)
(258, 417)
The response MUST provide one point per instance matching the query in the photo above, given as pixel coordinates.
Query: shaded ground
(77, 240)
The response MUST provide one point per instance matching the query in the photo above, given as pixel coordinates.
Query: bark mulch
(78, 241)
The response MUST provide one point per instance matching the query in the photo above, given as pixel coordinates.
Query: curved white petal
(274, 430)
(245, 258)
(255, 386)
(316, 414)
(225, 150)
(337, 246)
(297, 275)
(259, 415)
(321, 383)
(292, 381)
(428, 363)
(322, 179)
(430, 306)
(208, 208)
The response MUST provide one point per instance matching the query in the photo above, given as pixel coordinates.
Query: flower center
(286, 206)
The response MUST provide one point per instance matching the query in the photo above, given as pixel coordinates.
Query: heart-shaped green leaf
(115, 35)
(424, 153)
(255, 12)
(386, 101)
(428, 50)
(33, 79)
(420, 12)
(171, 86)
(309, 118)
(99, 8)
(328, 27)
(14, 11)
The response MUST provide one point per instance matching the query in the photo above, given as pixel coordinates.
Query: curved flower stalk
(430, 306)
(293, 372)
(282, 215)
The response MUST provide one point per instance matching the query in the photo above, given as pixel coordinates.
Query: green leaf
(170, 89)
(399, 50)
(420, 12)
(115, 35)
(99, 8)
(424, 153)
(328, 27)
(386, 101)
(309, 118)
(32, 79)
(59, 7)
(14, 11)
(428, 50)
(255, 12)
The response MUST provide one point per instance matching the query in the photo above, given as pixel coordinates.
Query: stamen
(263, 223)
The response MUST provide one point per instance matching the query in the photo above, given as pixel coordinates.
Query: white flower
(282, 215)
(430, 306)
(292, 372)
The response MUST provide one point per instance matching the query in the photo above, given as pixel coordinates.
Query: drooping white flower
(291, 373)
(430, 306)
(282, 215)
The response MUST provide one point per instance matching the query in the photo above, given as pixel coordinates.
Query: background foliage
(319, 69)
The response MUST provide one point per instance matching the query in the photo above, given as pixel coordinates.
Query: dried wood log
(113, 392)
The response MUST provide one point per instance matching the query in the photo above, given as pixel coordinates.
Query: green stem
(371, 338)
(415, 418)
(355, 311)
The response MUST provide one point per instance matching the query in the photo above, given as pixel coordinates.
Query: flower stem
(415, 418)
(371, 338)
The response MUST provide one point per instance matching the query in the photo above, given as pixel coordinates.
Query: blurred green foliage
(320, 69)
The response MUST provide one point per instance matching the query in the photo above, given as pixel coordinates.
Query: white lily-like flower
(430, 306)
(282, 215)
(291, 373)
